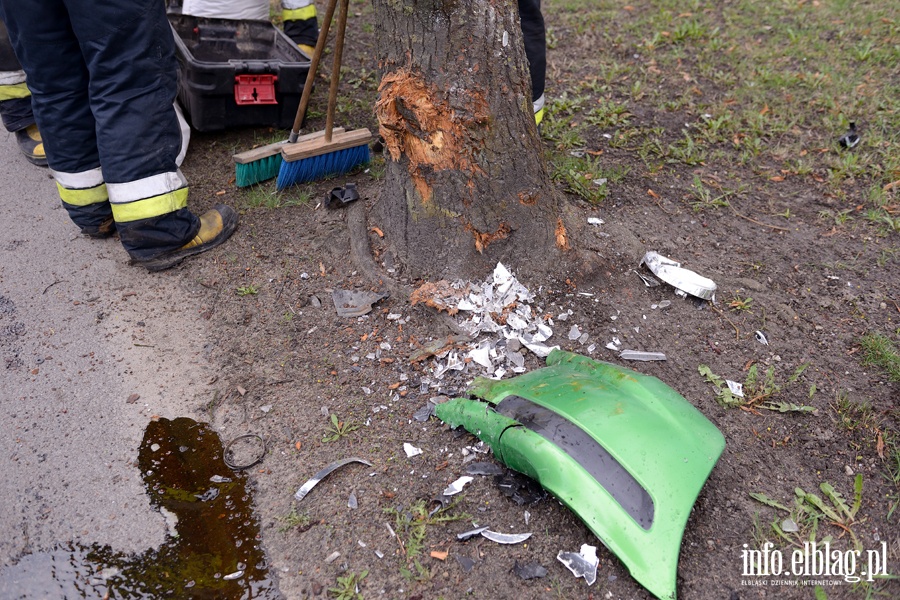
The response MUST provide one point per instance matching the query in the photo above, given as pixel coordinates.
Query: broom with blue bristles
(335, 151)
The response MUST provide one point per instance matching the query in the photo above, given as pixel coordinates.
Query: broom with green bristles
(334, 152)
(263, 163)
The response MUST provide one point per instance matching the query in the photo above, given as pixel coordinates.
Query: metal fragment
(471, 533)
(505, 538)
(315, 479)
(227, 454)
(681, 279)
(457, 486)
(583, 564)
(642, 356)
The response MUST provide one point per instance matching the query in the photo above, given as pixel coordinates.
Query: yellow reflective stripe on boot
(83, 197)
(148, 208)
(12, 92)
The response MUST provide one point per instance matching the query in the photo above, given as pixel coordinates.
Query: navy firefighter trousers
(103, 77)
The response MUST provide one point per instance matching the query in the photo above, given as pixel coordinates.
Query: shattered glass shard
(583, 564)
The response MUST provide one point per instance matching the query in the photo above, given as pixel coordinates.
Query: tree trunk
(466, 184)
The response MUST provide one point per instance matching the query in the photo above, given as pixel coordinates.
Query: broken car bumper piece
(622, 450)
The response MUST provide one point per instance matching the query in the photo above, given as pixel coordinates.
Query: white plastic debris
(482, 355)
(789, 526)
(584, 564)
(500, 306)
(457, 486)
(681, 279)
(411, 450)
(595, 221)
(235, 575)
(574, 332)
(736, 388)
(761, 338)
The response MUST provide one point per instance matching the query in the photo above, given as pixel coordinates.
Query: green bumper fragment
(622, 450)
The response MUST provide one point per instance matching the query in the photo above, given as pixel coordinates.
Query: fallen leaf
(377, 231)
(439, 555)
(133, 398)
(322, 269)
(241, 390)
(220, 193)
(394, 386)
(653, 194)
(298, 444)
(776, 178)
(879, 445)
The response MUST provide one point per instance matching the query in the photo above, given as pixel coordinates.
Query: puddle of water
(212, 551)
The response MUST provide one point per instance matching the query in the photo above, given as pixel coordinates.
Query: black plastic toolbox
(237, 73)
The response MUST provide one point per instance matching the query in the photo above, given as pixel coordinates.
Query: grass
(880, 351)
(759, 390)
(738, 87)
(264, 195)
(411, 528)
(338, 429)
(293, 520)
(347, 587)
(247, 290)
(809, 510)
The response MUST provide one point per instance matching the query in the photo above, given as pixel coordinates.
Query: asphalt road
(81, 333)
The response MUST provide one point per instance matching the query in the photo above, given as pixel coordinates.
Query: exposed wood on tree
(466, 184)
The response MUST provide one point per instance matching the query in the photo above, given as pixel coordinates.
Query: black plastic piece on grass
(849, 139)
(340, 197)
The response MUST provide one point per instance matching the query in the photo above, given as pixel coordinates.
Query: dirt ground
(289, 362)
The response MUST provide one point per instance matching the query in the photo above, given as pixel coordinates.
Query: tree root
(362, 258)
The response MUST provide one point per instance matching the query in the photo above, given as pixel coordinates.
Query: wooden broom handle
(313, 67)
(336, 69)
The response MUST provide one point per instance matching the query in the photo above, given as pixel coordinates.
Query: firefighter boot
(31, 145)
(216, 226)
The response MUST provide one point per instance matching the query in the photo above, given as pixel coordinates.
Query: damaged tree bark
(466, 184)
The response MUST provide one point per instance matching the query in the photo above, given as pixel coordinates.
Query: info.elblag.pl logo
(812, 564)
